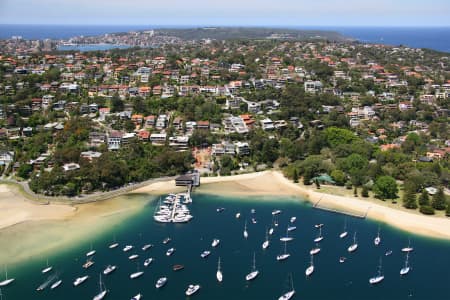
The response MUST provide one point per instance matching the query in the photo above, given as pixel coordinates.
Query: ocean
(428, 278)
(437, 38)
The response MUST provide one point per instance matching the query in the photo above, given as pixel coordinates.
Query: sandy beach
(14, 210)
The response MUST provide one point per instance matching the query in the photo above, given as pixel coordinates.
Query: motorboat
(161, 282)
(192, 289)
(205, 254)
(215, 242)
(170, 251)
(80, 280)
(148, 261)
(109, 269)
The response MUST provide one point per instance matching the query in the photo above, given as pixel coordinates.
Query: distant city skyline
(228, 13)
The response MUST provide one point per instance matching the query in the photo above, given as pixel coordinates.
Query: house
(71, 167)
(90, 155)
(143, 135)
(114, 140)
(97, 138)
(150, 121)
(267, 124)
(242, 148)
(161, 122)
(6, 157)
(313, 86)
(203, 125)
(137, 119)
(191, 179)
(158, 138)
(178, 123)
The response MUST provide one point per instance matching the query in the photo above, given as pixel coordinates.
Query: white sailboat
(127, 248)
(137, 297)
(219, 274)
(170, 251)
(406, 268)
(215, 242)
(408, 248)
(137, 273)
(315, 250)
(114, 243)
(80, 280)
(103, 290)
(292, 220)
(377, 239)
(245, 230)
(286, 238)
(354, 246)
(56, 284)
(289, 294)
(285, 255)
(91, 252)
(238, 215)
(310, 269)
(266, 242)
(345, 232)
(252, 275)
(379, 277)
(148, 261)
(133, 256)
(47, 268)
(6, 281)
(109, 269)
(319, 238)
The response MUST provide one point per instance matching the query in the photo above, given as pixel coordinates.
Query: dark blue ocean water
(434, 37)
(331, 280)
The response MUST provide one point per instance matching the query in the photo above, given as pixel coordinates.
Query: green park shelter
(324, 179)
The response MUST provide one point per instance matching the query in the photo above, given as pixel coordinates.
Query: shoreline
(14, 209)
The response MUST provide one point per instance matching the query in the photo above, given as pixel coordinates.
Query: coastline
(14, 209)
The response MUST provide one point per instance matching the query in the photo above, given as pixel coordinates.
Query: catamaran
(266, 242)
(406, 268)
(103, 290)
(215, 242)
(80, 280)
(377, 240)
(310, 269)
(109, 269)
(379, 277)
(245, 230)
(219, 274)
(161, 282)
(148, 261)
(288, 295)
(354, 246)
(192, 289)
(252, 275)
(319, 238)
(47, 269)
(345, 232)
(408, 248)
(285, 255)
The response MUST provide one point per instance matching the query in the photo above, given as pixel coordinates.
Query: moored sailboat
(310, 269)
(103, 290)
(379, 277)
(354, 246)
(252, 275)
(219, 274)
(289, 294)
(406, 268)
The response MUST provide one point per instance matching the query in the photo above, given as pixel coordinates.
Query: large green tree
(439, 202)
(385, 188)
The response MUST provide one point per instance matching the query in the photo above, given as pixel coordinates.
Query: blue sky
(228, 12)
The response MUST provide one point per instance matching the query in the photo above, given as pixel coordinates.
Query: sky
(409, 13)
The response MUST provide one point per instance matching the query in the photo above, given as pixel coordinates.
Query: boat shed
(191, 179)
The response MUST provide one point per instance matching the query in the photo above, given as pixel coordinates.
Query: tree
(447, 211)
(355, 191)
(438, 201)
(424, 199)
(307, 176)
(295, 176)
(338, 176)
(409, 198)
(426, 210)
(365, 191)
(385, 188)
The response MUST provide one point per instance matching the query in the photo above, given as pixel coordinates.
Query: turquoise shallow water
(428, 278)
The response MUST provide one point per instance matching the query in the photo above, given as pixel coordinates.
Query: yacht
(177, 267)
(137, 297)
(245, 230)
(354, 246)
(215, 242)
(80, 280)
(377, 240)
(379, 277)
(170, 251)
(166, 240)
(56, 284)
(114, 244)
(47, 269)
(408, 248)
(127, 248)
(205, 254)
(406, 268)
(283, 256)
(146, 247)
(133, 256)
(286, 238)
(291, 228)
(288, 295)
(109, 269)
(310, 269)
(103, 290)
(238, 215)
(192, 289)
(292, 220)
(88, 263)
(161, 282)
(276, 212)
(315, 250)
(271, 231)
(319, 238)
(252, 275)
(6, 281)
(219, 274)
(148, 261)
(136, 274)
(344, 233)
(266, 242)
(275, 221)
